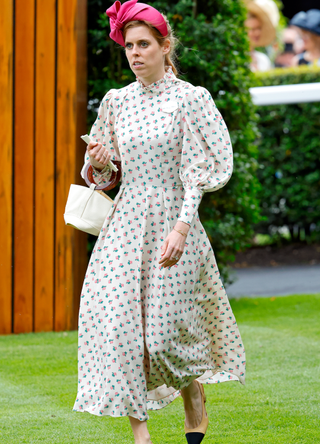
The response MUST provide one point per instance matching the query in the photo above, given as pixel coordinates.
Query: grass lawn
(279, 404)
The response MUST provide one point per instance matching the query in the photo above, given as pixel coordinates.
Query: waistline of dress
(143, 185)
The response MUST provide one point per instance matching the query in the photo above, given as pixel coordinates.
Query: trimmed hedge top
(289, 76)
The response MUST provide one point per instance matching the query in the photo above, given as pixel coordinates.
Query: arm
(207, 160)
(104, 145)
(206, 165)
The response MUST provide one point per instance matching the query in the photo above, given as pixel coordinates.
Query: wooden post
(70, 123)
(81, 239)
(24, 166)
(45, 81)
(6, 157)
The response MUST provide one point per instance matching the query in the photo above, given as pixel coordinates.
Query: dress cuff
(101, 177)
(192, 199)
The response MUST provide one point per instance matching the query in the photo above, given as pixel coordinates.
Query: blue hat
(310, 21)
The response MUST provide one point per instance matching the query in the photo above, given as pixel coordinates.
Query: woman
(291, 42)
(308, 24)
(155, 320)
(262, 21)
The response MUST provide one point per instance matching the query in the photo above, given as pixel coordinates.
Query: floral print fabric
(147, 332)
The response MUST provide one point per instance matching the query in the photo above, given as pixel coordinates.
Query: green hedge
(213, 53)
(289, 158)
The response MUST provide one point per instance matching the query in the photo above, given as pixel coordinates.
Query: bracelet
(181, 232)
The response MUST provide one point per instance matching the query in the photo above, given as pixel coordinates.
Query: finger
(168, 264)
(176, 253)
(101, 157)
(166, 253)
(173, 260)
(101, 152)
(93, 155)
(164, 248)
(94, 147)
(171, 254)
(106, 156)
(166, 259)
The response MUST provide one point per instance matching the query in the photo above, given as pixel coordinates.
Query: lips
(137, 63)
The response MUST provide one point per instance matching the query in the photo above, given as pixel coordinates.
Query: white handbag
(87, 208)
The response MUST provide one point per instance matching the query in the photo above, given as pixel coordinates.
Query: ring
(104, 155)
(176, 258)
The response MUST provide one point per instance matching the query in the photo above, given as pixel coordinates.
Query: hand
(173, 246)
(99, 156)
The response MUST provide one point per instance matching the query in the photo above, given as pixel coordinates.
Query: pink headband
(120, 15)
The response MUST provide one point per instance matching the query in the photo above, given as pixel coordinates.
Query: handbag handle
(114, 179)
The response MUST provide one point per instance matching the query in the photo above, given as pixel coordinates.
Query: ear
(166, 47)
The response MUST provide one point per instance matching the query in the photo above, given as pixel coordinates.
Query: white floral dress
(147, 332)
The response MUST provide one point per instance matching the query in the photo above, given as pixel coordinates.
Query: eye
(128, 45)
(144, 44)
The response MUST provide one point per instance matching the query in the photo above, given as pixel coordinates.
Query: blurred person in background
(262, 21)
(292, 44)
(308, 24)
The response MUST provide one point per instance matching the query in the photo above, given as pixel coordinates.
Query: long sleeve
(103, 131)
(206, 161)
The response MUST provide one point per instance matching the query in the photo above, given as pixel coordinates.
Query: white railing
(283, 94)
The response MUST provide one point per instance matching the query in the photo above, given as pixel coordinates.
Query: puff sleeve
(103, 131)
(206, 160)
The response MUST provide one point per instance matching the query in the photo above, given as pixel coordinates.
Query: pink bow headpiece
(121, 14)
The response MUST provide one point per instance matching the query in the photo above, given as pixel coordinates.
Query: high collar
(160, 85)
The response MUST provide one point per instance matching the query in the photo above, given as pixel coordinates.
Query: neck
(152, 78)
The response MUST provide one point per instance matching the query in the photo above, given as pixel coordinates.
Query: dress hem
(159, 403)
(124, 415)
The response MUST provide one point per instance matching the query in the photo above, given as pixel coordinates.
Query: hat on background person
(309, 21)
(268, 14)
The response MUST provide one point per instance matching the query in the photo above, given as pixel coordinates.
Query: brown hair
(250, 15)
(170, 58)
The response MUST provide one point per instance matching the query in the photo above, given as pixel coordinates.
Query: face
(310, 40)
(253, 26)
(145, 55)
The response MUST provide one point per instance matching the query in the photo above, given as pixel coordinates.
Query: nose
(135, 49)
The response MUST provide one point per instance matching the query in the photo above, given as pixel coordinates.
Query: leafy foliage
(289, 158)
(213, 52)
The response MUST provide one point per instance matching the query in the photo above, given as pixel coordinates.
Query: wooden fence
(43, 113)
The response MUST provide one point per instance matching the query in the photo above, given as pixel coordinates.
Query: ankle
(142, 440)
(140, 431)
